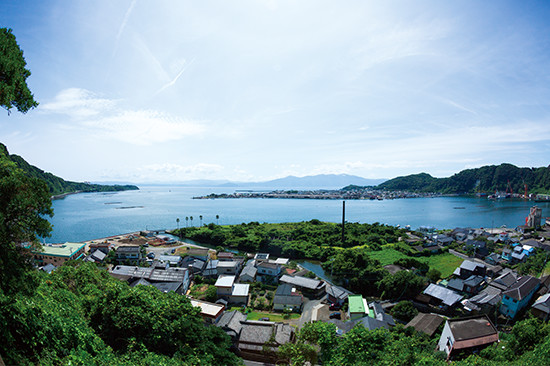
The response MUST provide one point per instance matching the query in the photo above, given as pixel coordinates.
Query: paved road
(307, 312)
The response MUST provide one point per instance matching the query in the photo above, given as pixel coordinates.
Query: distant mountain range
(56, 184)
(487, 179)
(321, 181)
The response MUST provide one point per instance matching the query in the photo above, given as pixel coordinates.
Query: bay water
(87, 216)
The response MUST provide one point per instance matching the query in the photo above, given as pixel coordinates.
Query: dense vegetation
(302, 240)
(485, 179)
(527, 344)
(80, 315)
(57, 185)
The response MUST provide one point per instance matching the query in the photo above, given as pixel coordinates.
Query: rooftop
(522, 288)
(208, 308)
(303, 282)
(426, 323)
(225, 281)
(472, 327)
(61, 250)
(240, 289)
(356, 304)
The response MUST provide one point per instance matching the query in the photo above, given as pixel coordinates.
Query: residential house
(426, 323)
(442, 239)
(105, 247)
(231, 323)
(211, 313)
(233, 293)
(261, 257)
(357, 307)
(178, 277)
(129, 253)
(337, 295)
(268, 272)
(541, 307)
(248, 274)
(259, 341)
(196, 266)
(307, 286)
(467, 335)
(57, 254)
(96, 256)
(173, 260)
(492, 258)
(211, 269)
(507, 254)
(479, 247)
(485, 301)
(517, 297)
(229, 267)
(505, 280)
(286, 297)
(199, 253)
(441, 296)
(471, 285)
(469, 268)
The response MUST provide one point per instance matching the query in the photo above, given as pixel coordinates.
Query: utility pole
(343, 222)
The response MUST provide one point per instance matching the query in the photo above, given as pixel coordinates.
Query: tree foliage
(57, 185)
(489, 178)
(301, 240)
(80, 314)
(24, 204)
(14, 91)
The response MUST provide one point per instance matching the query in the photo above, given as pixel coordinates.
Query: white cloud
(144, 127)
(78, 103)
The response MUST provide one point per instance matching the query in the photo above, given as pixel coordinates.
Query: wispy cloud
(106, 119)
(78, 103)
(143, 127)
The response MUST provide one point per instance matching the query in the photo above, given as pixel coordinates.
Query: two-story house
(518, 295)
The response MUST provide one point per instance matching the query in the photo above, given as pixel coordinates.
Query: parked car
(334, 306)
(151, 255)
(335, 315)
(266, 319)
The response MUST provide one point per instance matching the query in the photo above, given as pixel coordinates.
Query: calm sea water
(89, 216)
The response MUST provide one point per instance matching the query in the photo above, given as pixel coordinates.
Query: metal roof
(225, 281)
(240, 289)
(303, 282)
(356, 304)
(448, 297)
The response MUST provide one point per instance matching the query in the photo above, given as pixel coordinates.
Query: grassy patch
(257, 315)
(386, 256)
(273, 317)
(445, 263)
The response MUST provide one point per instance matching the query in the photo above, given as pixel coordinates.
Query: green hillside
(58, 185)
(485, 179)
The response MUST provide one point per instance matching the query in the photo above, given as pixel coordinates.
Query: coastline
(63, 195)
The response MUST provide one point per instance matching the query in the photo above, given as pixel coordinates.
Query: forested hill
(485, 179)
(56, 184)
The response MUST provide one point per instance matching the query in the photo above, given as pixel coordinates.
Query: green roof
(61, 250)
(356, 304)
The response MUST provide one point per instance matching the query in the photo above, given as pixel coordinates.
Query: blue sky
(148, 91)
